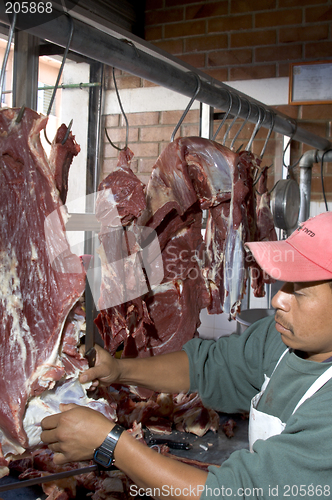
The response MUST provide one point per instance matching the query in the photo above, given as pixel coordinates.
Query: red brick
(109, 151)
(304, 33)
(144, 178)
(319, 14)
(211, 9)
(112, 120)
(174, 3)
(229, 57)
(318, 50)
(119, 134)
(253, 38)
(146, 165)
(230, 23)
(218, 74)
(278, 53)
(127, 82)
(291, 111)
(283, 69)
(139, 119)
(171, 46)
(210, 42)
(185, 29)
(238, 7)
(173, 117)
(164, 16)
(316, 186)
(145, 149)
(278, 18)
(197, 60)
(189, 130)
(252, 72)
(154, 4)
(109, 166)
(297, 3)
(155, 33)
(156, 134)
(317, 112)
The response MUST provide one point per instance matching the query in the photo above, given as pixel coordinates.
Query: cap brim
(283, 262)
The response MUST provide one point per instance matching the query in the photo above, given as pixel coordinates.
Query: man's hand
(105, 371)
(74, 434)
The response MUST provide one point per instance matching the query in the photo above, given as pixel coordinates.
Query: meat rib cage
(35, 298)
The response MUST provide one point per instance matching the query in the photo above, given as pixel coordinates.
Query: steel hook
(230, 99)
(20, 114)
(243, 124)
(198, 88)
(258, 125)
(5, 58)
(60, 71)
(233, 121)
(289, 167)
(273, 116)
(124, 116)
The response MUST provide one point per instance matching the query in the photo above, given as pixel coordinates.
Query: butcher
(279, 370)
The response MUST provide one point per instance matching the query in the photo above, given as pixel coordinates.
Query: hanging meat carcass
(192, 174)
(41, 283)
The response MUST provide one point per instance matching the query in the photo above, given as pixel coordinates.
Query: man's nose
(281, 300)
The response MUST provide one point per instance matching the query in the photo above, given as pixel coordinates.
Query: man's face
(304, 318)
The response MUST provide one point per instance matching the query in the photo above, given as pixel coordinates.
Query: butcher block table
(212, 448)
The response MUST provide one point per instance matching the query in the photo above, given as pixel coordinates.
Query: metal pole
(150, 65)
(306, 164)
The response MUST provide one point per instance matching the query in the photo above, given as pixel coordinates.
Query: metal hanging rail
(166, 71)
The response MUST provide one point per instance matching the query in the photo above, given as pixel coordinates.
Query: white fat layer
(12, 301)
(71, 391)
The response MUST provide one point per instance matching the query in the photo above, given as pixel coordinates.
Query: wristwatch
(104, 455)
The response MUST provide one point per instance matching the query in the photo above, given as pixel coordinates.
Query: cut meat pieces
(265, 231)
(192, 174)
(61, 157)
(41, 280)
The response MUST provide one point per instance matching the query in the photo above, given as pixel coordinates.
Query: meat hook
(289, 167)
(198, 88)
(67, 133)
(233, 121)
(230, 99)
(243, 124)
(60, 72)
(5, 58)
(123, 114)
(273, 116)
(261, 116)
(20, 114)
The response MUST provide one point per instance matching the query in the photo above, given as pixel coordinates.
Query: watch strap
(104, 455)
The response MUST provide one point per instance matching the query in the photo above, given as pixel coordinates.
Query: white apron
(262, 425)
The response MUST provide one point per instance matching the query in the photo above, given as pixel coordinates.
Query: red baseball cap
(306, 255)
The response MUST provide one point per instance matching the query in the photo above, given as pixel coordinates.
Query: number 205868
(28, 7)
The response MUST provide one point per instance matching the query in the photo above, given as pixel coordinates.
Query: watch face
(102, 458)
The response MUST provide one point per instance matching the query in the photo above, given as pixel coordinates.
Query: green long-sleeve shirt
(297, 463)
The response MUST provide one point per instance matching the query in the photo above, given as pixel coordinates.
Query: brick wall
(231, 40)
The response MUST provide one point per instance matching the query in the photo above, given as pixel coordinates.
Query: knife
(90, 351)
(51, 477)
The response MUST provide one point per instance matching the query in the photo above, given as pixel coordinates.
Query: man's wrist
(104, 454)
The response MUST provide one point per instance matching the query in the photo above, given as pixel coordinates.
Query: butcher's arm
(74, 434)
(165, 373)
